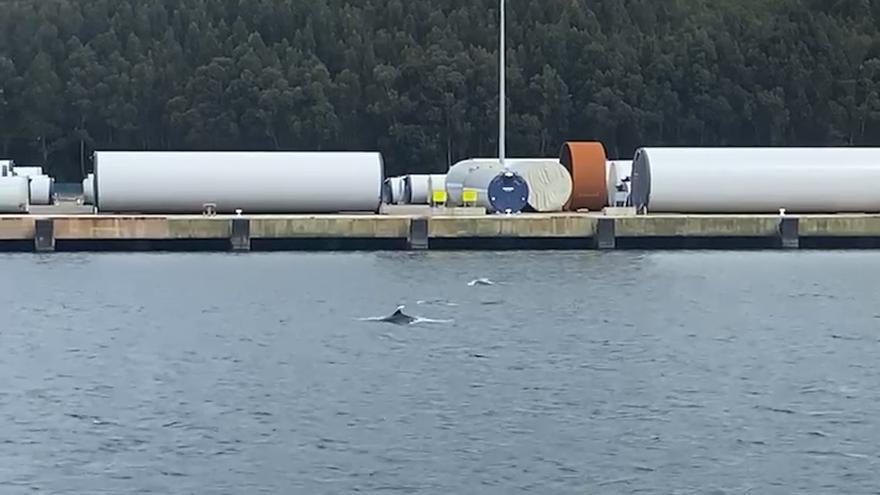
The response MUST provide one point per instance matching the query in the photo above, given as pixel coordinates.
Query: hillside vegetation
(417, 79)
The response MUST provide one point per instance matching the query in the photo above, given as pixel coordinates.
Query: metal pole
(502, 103)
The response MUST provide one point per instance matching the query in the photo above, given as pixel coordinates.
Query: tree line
(418, 79)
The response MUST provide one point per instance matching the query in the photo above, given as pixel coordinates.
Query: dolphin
(480, 281)
(398, 317)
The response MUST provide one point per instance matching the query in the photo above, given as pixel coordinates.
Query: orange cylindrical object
(586, 161)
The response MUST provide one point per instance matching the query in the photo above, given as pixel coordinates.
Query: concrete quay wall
(46, 233)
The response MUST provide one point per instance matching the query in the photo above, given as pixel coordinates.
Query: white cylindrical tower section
(756, 180)
(255, 182)
(416, 189)
(42, 189)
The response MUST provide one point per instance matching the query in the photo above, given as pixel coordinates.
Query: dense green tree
(417, 79)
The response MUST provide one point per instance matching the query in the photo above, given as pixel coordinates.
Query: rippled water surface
(578, 373)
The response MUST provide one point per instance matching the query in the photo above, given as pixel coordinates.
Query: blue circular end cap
(508, 192)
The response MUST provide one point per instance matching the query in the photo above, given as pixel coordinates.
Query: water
(660, 373)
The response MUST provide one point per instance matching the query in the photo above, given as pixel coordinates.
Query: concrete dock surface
(460, 231)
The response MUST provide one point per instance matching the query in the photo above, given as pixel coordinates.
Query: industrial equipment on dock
(756, 180)
(549, 183)
(226, 181)
(498, 191)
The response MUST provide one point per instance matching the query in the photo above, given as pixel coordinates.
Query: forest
(418, 79)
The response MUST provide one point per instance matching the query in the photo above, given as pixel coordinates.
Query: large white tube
(550, 184)
(416, 189)
(14, 195)
(42, 189)
(255, 182)
(756, 180)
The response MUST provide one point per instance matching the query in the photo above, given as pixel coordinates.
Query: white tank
(88, 185)
(550, 184)
(255, 182)
(756, 180)
(14, 195)
(28, 171)
(436, 182)
(42, 189)
(618, 188)
(457, 173)
(416, 189)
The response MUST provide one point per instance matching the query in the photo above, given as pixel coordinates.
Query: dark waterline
(622, 372)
